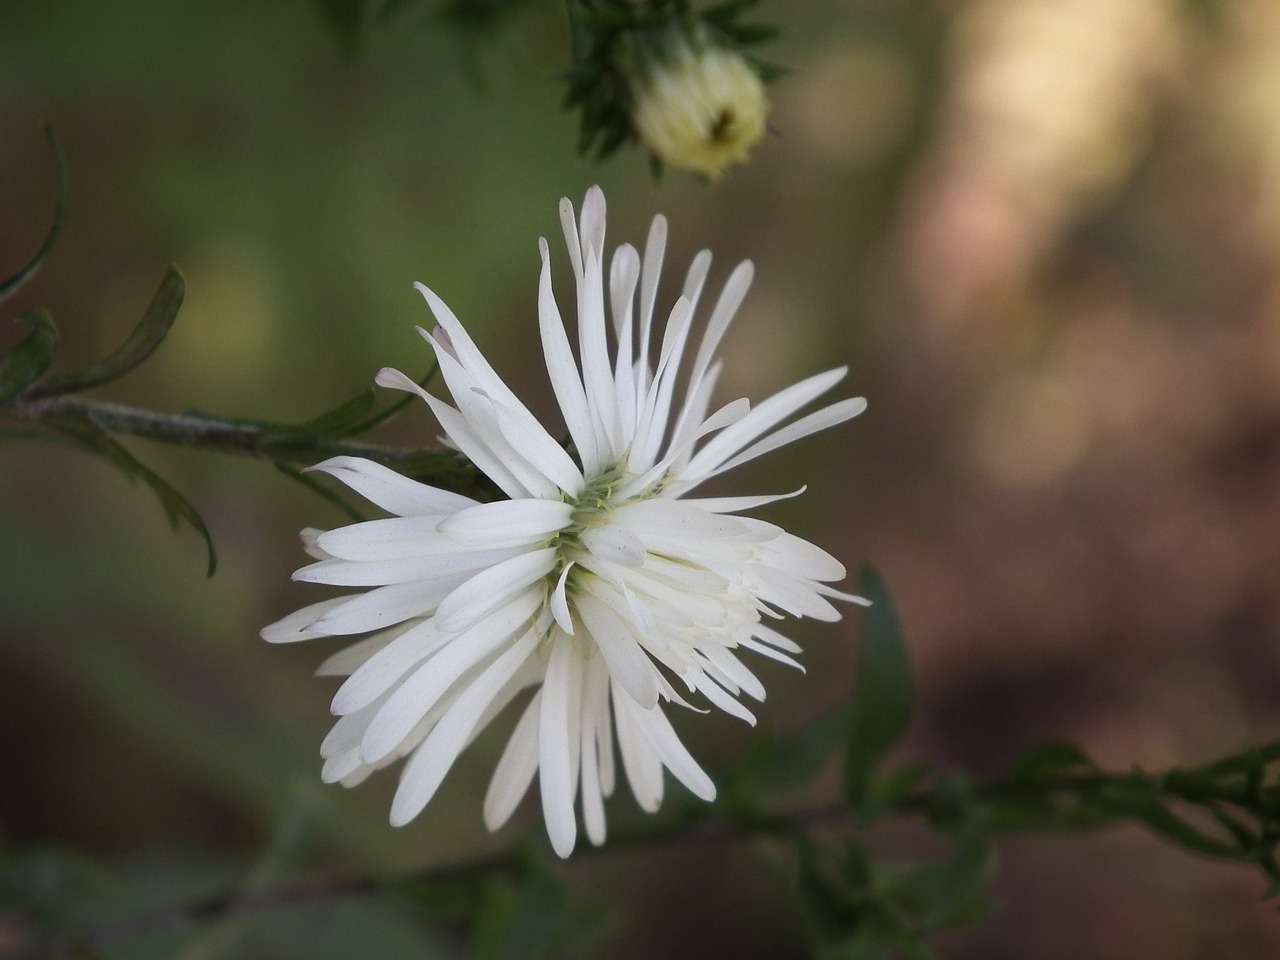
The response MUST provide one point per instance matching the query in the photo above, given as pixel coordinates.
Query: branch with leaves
(1227, 810)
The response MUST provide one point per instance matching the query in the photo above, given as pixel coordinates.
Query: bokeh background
(1044, 235)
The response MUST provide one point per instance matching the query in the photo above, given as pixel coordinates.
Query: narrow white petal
(383, 669)
(800, 558)
(656, 728)
(676, 518)
(376, 573)
(566, 382)
(721, 698)
(506, 522)
(531, 441)
(380, 608)
(767, 651)
(616, 544)
(560, 704)
(592, 793)
(760, 420)
(433, 759)
(386, 539)
(597, 372)
(492, 588)
(734, 671)
(297, 625)
(389, 490)
(813, 423)
(419, 692)
(738, 504)
(628, 664)
(515, 769)
(772, 637)
(349, 659)
(560, 601)
(640, 760)
(462, 434)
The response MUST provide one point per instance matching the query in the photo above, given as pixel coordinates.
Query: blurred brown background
(1043, 233)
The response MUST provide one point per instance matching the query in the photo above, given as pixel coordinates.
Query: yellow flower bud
(700, 108)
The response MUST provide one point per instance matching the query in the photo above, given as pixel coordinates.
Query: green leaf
(343, 420)
(176, 507)
(30, 358)
(882, 694)
(19, 279)
(141, 343)
(1048, 761)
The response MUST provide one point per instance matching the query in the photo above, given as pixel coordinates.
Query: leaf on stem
(141, 343)
(30, 358)
(176, 507)
(882, 693)
(19, 279)
(342, 421)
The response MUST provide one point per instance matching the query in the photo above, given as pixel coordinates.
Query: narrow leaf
(343, 420)
(882, 694)
(142, 342)
(30, 357)
(176, 507)
(19, 279)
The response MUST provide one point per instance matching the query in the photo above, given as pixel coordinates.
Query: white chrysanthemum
(600, 582)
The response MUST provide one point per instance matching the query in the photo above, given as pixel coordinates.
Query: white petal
(383, 669)
(563, 371)
(506, 522)
(760, 420)
(432, 760)
(801, 558)
(347, 660)
(386, 539)
(628, 664)
(381, 607)
(640, 760)
(531, 441)
(376, 573)
(738, 504)
(560, 601)
(419, 692)
(813, 423)
(389, 490)
(493, 588)
(515, 769)
(297, 625)
(676, 518)
(655, 727)
(561, 699)
(615, 543)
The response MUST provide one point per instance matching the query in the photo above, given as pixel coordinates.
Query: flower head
(699, 107)
(601, 582)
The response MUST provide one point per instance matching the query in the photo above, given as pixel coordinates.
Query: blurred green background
(1044, 235)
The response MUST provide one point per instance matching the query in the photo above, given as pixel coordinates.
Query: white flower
(699, 107)
(600, 582)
